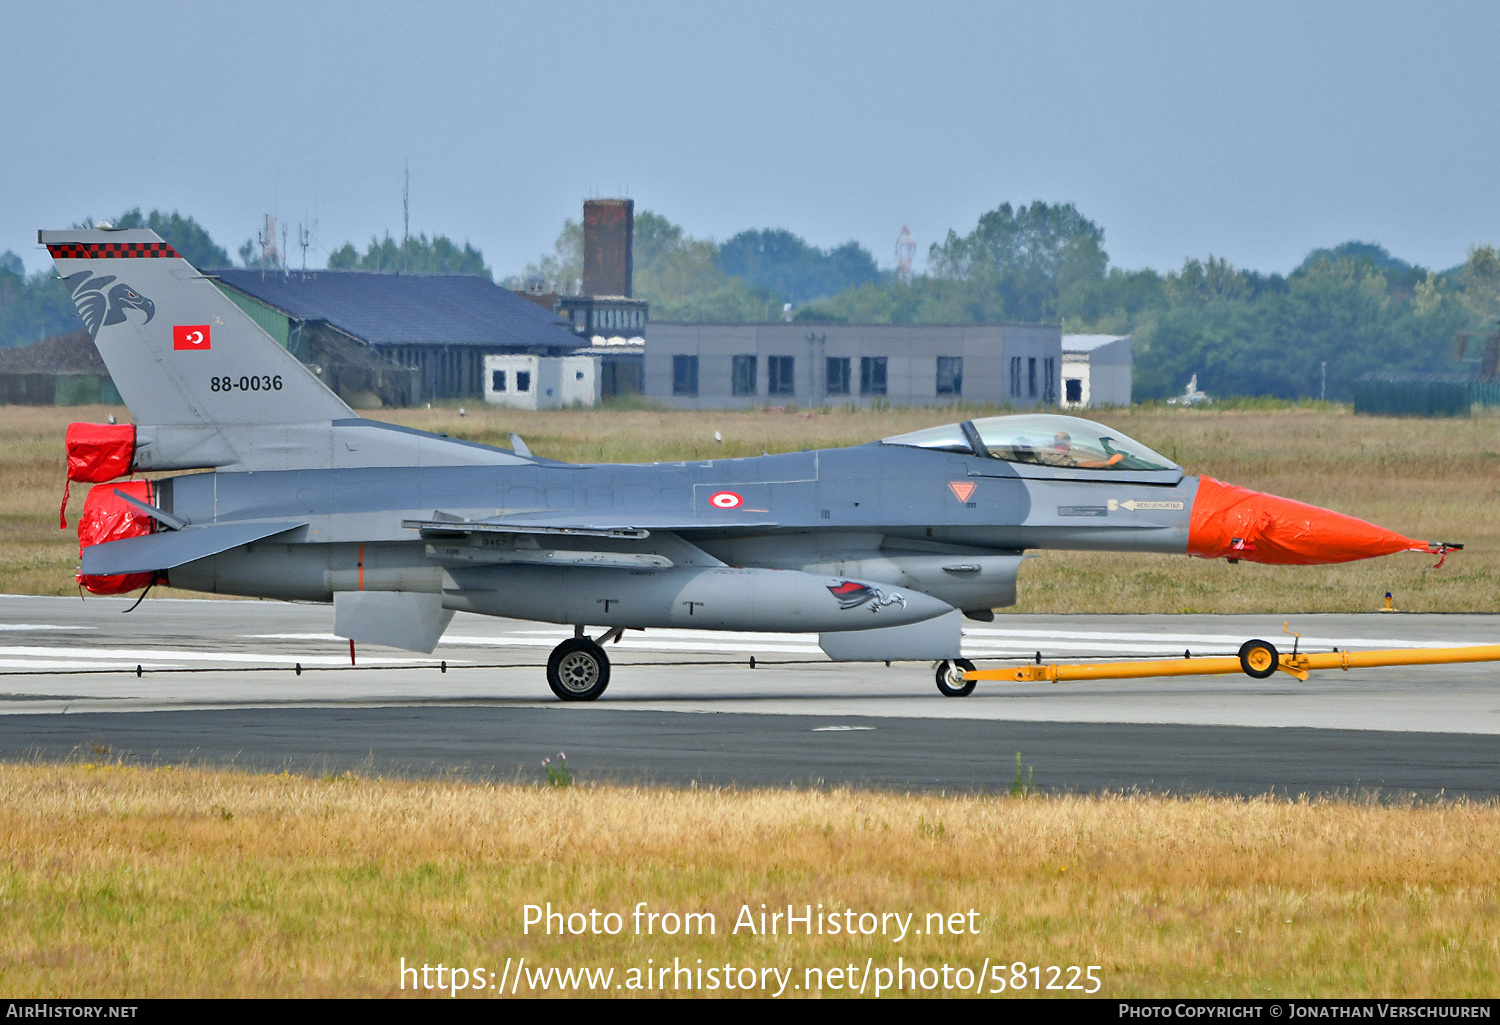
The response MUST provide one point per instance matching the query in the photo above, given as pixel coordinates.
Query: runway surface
(218, 682)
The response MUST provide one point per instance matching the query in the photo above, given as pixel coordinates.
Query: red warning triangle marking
(962, 489)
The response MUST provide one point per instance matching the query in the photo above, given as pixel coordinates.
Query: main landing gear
(578, 669)
(950, 680)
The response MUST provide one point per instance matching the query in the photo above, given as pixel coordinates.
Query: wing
(639, 526)
(457, 543)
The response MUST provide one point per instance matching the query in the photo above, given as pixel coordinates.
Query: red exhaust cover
(107, 518)
(1237, 523)
(99, 452)
(96, 453)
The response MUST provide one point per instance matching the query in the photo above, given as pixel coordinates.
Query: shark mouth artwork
(852, 595)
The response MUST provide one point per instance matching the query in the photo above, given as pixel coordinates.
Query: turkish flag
(191, 336)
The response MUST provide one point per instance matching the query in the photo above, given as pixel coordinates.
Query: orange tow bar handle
(1299, 665)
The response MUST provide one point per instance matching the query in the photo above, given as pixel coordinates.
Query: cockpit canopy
(1040, 439)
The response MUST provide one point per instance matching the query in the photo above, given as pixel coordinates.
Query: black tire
(946, 687)
(1258, 658)
(578, 670)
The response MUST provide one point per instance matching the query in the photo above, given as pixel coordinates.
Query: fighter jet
(269, 485)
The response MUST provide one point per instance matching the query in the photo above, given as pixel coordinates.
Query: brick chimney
(608, 231)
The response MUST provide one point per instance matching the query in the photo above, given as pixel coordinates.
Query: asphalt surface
(218, 684)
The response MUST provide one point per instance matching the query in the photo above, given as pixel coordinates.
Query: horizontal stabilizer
(164, 551)
(929, 640)
(410, 620)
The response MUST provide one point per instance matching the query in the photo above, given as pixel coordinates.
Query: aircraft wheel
(578, 670)
(1258, 658)
(950, 683)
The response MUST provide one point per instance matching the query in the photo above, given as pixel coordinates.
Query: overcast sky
(1250, 131)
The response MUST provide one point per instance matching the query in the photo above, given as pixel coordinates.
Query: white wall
(509, 366)
(552, 382)
(1104, 371)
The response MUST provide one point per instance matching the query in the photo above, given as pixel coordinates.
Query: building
(1096, 371)
(524, 381)
(715, 366)
(395, 339)
(64, 370)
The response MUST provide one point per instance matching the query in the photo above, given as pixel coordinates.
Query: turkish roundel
(725, 500)
(191, 336)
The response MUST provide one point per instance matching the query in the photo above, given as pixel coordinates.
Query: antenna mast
(906, 249)
(270, 255)
(406, 220)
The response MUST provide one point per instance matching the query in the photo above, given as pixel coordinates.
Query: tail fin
(179, 352)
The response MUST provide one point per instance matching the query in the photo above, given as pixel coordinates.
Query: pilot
(1060, 453)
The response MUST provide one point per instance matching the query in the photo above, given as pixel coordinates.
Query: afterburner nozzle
(1236, 523)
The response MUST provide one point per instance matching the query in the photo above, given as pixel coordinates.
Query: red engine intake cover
(107, 518)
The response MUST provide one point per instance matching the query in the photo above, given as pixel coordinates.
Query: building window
(838, 375)
(872, 375)
(781, 375)
(742, 378)
(1015, 376)
(950, 375)
(523, 380)
(1073, 390)
(1049, 380)
(1031, 376)
(684, 375)
(497, 381)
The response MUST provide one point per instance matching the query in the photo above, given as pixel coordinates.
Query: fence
(58, 390)
(1413, 398)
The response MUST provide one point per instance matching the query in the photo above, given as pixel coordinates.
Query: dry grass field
(1429, 479)
(136, 882)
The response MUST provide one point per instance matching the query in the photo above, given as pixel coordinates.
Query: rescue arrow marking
(961, 489)
(1132, 505)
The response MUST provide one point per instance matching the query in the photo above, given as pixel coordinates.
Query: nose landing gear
(950, 680)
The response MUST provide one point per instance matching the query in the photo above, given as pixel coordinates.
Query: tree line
(1346, 311)
(1354, 307)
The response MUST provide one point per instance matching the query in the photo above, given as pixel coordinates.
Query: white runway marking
(134, 655)
(59, 664)
(46, 627)
(1114, 639)
(656, 640)
(841, 729)
(983, 642)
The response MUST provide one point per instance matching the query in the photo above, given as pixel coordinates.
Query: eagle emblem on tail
(99, 307)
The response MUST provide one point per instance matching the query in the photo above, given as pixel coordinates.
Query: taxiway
(218, 682)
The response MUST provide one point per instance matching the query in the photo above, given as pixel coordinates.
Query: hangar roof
(406, 309)
(1088, 343)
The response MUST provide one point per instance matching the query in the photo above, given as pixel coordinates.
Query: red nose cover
(96, 453)
(106, 517)
(1237, 523)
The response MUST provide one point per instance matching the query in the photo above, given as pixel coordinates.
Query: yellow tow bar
(1257, 658)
